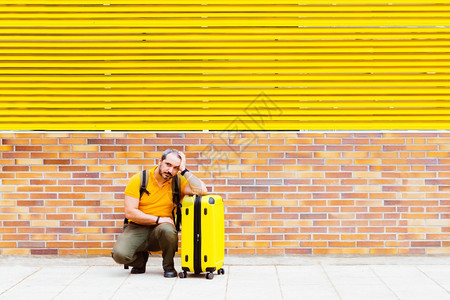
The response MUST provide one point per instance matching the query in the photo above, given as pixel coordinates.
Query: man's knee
(121, 255)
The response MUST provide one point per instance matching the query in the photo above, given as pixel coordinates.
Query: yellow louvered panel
(224, 65)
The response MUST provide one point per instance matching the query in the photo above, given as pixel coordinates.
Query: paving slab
(305, 282)
(439, 274)
(44, 283)
(150, 285)
(357, 282)
(11, 275)
(253, 282)
(408, 282)
(198, 287)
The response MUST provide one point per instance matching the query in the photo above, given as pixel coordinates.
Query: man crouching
(150, 226)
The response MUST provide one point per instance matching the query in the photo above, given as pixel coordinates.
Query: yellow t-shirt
(159, 202)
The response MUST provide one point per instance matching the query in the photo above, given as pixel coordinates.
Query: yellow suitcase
(202, 235)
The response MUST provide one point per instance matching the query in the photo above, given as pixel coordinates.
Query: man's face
(170, 166)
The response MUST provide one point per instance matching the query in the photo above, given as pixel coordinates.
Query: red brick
(86, 202)
(15, 142)
(57, 161)
(43, 196)
(426, 244)
(15, 168)
(86, 175)
(42, 182)
(30, 203)
(338, 175)
(313, 216)
(28, 148)
(72, 168)
(15, 155)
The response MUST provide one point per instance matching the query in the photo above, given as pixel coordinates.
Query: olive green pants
(136, 239)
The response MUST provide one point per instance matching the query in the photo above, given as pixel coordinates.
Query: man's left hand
(183, 161)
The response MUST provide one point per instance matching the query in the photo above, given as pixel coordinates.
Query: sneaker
(140, 270)
(170, 273)
(136, 270)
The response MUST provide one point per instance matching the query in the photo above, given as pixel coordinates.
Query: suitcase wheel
(209, 275)
(182, 274)
(221, 271)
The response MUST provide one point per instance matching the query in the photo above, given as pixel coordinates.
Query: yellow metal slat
(252, 91)
(410, 45)
(220, 32)
(31, 39)
(140, 117)
(168, 7)
(148, 97)
(279, 105)
(63, 71)
(220, 2)
(289, 113)
(221, 84)
(425, 64)
(228, 78)
(212, 16)
(320, 57)
(233, 22)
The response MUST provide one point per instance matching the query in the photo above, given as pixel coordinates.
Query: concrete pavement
(246, 277)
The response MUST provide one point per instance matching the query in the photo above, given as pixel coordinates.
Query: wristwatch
(184, 171)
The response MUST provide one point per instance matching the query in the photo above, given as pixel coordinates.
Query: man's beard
(166, 176)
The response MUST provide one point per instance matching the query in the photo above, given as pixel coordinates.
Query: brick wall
(284, 192)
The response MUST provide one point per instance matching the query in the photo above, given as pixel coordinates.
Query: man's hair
(168, 151)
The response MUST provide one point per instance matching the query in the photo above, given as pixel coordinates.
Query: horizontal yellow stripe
(216, 2)
(284, 112)
(224, 53)
(222, 97)
(232, 22)
(227, 119)
(275, 7)
(228, 105)
(310, 78)
(298, 99)
(398, 38)
(250, 56)
(192, 16)
(219, 31)
(273, 92)
(235, 46)
(64, 70)
(236, 84)
(235, 66)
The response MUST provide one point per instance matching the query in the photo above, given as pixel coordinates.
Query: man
(151, 227)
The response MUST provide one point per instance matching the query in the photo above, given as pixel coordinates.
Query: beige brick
(90, 148)
(7, 251)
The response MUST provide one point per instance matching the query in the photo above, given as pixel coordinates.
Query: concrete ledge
(230, 260)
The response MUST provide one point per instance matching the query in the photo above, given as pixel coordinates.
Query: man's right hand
(166, 220)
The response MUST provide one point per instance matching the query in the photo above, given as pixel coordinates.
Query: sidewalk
(246, 277)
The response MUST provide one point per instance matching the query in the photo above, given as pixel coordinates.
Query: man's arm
(195, 186)
(133, 213)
